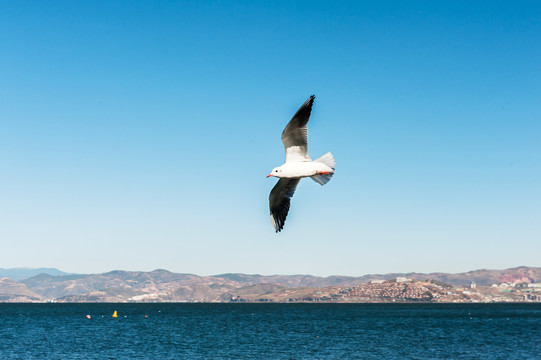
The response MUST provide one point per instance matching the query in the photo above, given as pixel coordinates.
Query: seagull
(298, 165)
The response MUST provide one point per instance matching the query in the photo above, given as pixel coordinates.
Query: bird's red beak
(269, 175)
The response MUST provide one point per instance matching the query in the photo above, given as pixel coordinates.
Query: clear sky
(137, 135)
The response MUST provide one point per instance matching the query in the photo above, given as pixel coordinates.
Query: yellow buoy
(115, 314)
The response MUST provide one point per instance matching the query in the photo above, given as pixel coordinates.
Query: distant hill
(165, 286)
(294, 280)
(481, 277)
(13, 291)
(484, 277)
(25, 273)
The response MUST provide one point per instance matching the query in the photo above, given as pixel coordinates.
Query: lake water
(270, 331)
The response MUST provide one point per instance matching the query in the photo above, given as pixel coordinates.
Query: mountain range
(25, 273)
(163, 285)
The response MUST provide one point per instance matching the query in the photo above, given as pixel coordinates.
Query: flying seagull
(298, 165)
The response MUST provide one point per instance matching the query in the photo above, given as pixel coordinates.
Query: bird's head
(277, 171)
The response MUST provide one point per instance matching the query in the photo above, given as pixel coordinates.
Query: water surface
(270, 331)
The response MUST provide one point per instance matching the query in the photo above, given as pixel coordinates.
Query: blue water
(270, 331)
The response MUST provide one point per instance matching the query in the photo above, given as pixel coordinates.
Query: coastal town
(404, 289)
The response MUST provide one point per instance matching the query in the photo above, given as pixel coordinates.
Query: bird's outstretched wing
(295, 134)
(279, 200)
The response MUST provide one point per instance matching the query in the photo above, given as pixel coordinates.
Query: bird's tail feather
(328, 160)
(322, 179)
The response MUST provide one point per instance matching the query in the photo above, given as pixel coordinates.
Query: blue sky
(137, 135)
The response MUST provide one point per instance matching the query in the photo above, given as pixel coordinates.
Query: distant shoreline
(521, 284)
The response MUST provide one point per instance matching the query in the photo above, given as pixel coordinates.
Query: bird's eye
(275, 170)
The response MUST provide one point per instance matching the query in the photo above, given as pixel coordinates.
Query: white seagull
(298, 165)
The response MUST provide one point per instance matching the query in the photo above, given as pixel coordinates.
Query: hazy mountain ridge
(25, 273)
(163, 285)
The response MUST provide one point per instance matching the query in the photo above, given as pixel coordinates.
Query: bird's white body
(300, 169)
